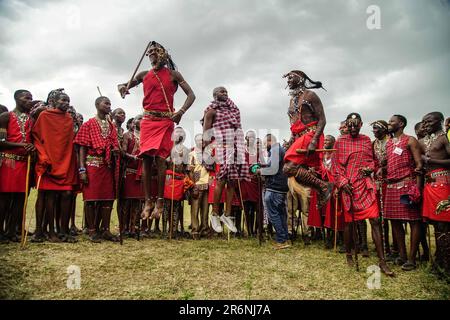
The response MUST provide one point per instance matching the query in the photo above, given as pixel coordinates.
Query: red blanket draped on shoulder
(53, 138)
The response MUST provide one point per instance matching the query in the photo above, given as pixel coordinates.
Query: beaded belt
(95, 161)
(130, 171)
(158, 114)
(12, 156)
(307, 130)
(442, 176)
(400, 184)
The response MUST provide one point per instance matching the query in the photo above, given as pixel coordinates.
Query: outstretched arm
(136, 81)
(178, 78)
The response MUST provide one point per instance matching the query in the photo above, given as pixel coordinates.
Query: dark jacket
(275, 179)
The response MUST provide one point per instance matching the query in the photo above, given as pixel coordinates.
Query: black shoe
(95, 238)
(38, 238)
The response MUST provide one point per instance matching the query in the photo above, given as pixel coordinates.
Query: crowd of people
(326, 186)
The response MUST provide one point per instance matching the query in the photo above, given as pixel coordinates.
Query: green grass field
(204, 269)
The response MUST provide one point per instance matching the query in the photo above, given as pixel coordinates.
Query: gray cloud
(244, 45)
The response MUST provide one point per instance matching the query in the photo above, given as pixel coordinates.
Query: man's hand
(176, 117)
(379, 174)
(29, 147)
(347, 188)
(123, 90)
(366, 171)
(84, 178)
(311, 148)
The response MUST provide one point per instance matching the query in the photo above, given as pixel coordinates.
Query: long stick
(135, 70)
(336, 221)
(429, 242)
(31, 217)
(24, 212)
(301, 151)
(259, 214)
(242, 204)
(171, 201)
(98, 88)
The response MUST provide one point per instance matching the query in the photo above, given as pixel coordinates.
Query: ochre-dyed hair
(309, 84)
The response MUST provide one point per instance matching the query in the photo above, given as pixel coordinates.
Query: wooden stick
(171, 202)
(242, 204)
(31, 217)
(335, 222)
(317, 150)
(135, 70)
(98, 88)
(24, 212)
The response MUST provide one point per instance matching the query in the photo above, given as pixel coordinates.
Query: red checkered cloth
(229, 141)
(353, 154)
(395, 210)
(399, 166)
(90, 136)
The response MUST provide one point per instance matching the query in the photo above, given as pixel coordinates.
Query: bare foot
(146, 211)
(158, 210)
(385, 269)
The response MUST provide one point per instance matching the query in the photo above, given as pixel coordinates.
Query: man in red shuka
(160, 85)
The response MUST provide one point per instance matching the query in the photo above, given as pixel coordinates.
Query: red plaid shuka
(229, 141)
(353, 154)
(90, 136)
(399, 166)
(400, 170)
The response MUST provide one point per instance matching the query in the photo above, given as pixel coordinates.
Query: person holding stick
(15, 147)
(160, 85)
(222, 125)
(56, 167)
(353, 166)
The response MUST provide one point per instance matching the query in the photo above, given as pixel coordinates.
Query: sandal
(399, 261)
(409, 266)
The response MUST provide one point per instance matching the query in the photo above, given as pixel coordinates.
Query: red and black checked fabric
(229, 141)
(353, 154)
(399, 166)
(395, 210)
(90, 136)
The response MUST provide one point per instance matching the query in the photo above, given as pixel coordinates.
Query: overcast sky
(246, 46)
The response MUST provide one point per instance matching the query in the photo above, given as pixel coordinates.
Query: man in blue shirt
(276, 190)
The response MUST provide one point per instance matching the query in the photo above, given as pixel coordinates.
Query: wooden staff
(302, 151)
(135, 70)
(242, 204)
(24, 212)
(335, 221)
(98, 88)
(31, 217)
(171, 202)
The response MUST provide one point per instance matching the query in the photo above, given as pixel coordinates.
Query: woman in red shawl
(160, 85)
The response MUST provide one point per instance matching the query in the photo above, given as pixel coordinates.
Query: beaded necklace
(22, 119)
